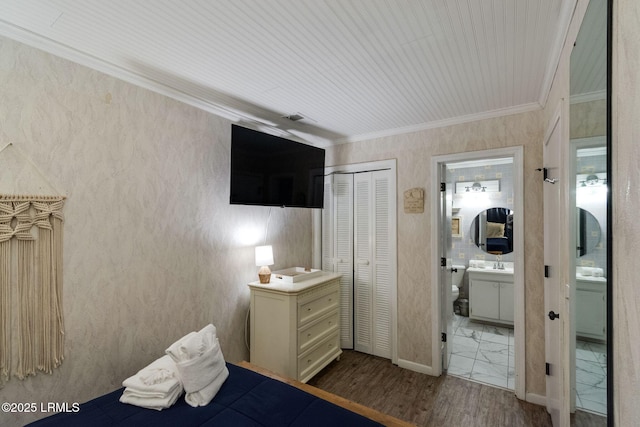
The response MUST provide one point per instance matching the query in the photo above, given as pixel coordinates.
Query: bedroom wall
(152, 248)
(626, 205)
(413, 152)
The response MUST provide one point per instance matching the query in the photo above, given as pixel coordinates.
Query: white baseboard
(416, 367)
(536, 399)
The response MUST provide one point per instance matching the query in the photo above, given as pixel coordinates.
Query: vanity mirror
(492, 230)
(588, 232)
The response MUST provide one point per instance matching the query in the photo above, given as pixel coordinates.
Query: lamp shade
(264, 255)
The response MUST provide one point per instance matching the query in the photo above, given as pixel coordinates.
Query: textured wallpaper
(413, 153)
(626, 204)
(152, 248)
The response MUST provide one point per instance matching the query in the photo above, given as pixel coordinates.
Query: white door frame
(516, 153)
(316, 252)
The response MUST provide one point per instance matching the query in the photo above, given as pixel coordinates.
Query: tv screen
(269, 170)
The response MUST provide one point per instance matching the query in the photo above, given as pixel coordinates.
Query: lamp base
(264, 274)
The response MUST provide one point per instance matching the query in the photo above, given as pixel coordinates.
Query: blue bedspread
(245, 399)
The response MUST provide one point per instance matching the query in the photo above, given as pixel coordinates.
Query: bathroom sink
(490, 270)
(591, 278)
(590, 274)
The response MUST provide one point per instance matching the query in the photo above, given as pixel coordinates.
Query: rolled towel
(200, 365)
(205, 375)
(183, 348)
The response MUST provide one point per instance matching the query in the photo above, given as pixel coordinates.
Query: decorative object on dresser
(264, 258)
(295, 325)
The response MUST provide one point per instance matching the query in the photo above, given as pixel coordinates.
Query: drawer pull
(309, 309)
(308, 335)
(309, 361)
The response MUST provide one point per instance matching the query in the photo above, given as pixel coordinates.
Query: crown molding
(525, 108)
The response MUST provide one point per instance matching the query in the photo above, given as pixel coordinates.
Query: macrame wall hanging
(31, 317)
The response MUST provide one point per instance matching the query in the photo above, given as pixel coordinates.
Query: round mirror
(588, 232)
(492, 231)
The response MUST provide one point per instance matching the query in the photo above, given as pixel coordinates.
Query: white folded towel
(156, 386)
(133, 397)
(200, 365)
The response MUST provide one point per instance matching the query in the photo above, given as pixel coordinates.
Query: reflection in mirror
(587, 232)
(492, 231)
(590, 373)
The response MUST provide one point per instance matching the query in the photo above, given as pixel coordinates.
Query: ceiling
(353, 69)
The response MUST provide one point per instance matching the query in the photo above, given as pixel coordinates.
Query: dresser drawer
(315, 308)
(314, 360)
(316, 331)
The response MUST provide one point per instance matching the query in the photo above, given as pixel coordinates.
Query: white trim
(536, 399)
(600, 95)
(218, 108)
(361, 167)
(517, 153)
(524, 108)
(567, 10)
(415, 367)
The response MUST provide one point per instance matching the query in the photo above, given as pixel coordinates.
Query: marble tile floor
(482, 353)
(591, 377)
(485, 354)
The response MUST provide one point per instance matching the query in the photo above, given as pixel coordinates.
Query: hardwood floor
(430, 401)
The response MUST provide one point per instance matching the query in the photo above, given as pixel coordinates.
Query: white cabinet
(491, 296)
(591, 308)
(295, 326)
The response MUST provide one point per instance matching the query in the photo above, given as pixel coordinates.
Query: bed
(250, 396)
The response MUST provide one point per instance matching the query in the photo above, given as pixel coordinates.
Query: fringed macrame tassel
(38, 278)
(5, 312)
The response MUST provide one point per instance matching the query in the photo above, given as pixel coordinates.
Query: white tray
(294, 274)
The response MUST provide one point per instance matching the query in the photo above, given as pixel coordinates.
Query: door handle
(553, 315)
(454, 270)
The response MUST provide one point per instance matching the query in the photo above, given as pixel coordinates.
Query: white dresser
(295, 326)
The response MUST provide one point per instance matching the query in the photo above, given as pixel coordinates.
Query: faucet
(498, 265)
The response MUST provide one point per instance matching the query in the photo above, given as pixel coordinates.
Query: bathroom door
(554, 287)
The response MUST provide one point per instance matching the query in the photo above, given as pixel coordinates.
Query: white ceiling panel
(354, 69)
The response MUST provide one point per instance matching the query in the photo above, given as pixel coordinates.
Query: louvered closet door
(363, 278)
(337, 246)
(374, 263)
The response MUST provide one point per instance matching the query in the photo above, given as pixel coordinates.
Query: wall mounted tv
(269, 170)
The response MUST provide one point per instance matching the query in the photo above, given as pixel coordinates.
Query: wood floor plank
(432, 401)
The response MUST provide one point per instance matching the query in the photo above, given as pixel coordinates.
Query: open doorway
(478, 241)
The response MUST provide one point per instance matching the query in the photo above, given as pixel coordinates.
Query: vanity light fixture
(471, 187)
(592, 180)
(476, 187)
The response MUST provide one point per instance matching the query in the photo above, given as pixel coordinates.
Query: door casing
(517, 153)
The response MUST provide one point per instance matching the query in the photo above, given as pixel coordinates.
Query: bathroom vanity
(591, 307)
(491, 294)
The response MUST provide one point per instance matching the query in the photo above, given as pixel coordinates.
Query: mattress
(246, 398)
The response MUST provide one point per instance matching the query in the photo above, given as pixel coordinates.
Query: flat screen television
(268, 170)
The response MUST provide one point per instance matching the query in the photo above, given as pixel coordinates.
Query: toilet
(457, 276)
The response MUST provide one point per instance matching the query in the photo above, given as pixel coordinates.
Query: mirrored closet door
(588, 133)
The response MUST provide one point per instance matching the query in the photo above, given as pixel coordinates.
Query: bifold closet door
(373, 276)
(337, 245)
